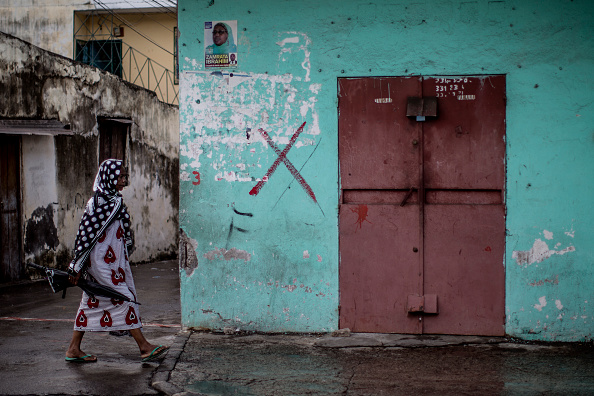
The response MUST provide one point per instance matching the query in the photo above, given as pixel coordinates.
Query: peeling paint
(188, 260)
(293, 40)
(553, 281)
(539, 252)
(40, 232)
(231, 254)
(225, 114)
(542, 302)
(304, 43)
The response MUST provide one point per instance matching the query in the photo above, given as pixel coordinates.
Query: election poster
(220, 48)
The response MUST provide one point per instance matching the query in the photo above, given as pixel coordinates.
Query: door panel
(376, 145)
(464, 146)
(378, 267)
(464, 268)
(379, 168)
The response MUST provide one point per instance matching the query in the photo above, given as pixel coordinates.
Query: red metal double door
(422, 215)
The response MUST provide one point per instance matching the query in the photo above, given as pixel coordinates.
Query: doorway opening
(113, 138)
(11, 268)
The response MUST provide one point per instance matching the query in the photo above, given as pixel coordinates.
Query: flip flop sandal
(155, 354)
(82, 359)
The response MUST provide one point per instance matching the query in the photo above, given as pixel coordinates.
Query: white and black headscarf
(102, 210)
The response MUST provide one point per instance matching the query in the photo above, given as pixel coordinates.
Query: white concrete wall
(44, 23)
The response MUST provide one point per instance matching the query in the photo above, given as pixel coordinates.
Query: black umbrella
(58, 281)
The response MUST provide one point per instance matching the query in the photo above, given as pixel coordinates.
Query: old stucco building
(58, 120)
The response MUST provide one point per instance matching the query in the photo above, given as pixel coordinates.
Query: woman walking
(101, 251)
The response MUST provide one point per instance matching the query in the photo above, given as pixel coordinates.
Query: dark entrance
(10, 210)
(113, 135)
(422, 219)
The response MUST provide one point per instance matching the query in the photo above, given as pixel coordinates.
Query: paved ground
(376, 364)
(35, 327)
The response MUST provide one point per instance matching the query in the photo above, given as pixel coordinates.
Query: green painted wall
(277, 269)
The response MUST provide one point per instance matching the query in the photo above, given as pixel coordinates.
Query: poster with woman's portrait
(220, 48)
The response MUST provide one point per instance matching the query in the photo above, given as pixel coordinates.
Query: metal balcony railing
(110, 53)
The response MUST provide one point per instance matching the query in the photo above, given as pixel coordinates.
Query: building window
(104, 54)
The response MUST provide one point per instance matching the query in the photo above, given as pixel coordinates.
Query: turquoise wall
(276, 269)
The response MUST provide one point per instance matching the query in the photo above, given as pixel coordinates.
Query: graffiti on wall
(282, 156)
(234, 228)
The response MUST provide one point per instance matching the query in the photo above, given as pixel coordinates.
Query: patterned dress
(109, 266)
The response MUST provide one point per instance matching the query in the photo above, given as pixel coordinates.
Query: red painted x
(282, 156)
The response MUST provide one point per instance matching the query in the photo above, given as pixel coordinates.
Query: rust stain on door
(361, 211)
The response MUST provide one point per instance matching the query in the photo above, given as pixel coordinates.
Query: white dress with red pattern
(110, 267)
